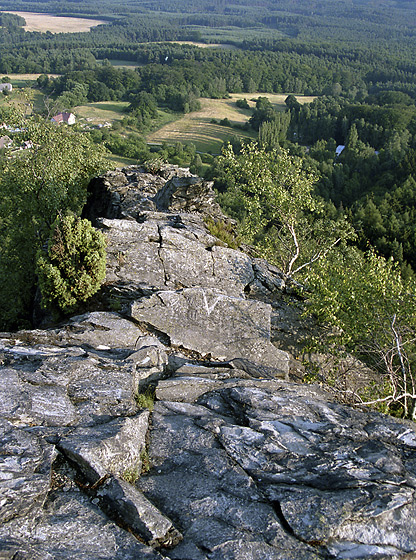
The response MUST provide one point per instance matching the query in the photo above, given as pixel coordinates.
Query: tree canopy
(283, 216)
(35, 186)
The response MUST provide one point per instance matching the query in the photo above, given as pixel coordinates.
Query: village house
(6, 87)
(5, 142)
(67, 118)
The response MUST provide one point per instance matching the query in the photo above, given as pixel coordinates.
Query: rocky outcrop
(234, 460)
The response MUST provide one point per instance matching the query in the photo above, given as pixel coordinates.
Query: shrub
(225, 232)
(225, 122)
(242, 104)
(73, 268)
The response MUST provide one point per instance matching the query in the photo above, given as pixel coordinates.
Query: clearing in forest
(101, 112)
(56, 24)
(208, 136)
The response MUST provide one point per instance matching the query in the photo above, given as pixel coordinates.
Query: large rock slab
(210, 323)
(219, 509)
(60, 387)
(98, 329)
(278, 470)
(137, 513)
(189, 262)
(112, 448)
(71, 527)
(25, 471)
(166, 251)
(133, 253)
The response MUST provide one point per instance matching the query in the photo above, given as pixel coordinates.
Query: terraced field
(208, 136)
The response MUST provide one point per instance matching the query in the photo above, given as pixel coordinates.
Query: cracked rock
(211, 323)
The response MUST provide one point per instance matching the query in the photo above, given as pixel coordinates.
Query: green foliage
(131, 474)
(132, 146)
(242, 104)
(146, 399)
(224, 231)
(11, 20)
(196, 167)
(283, 217)
(371, 311)
(36, 186)
(225, 122)
(73, 268)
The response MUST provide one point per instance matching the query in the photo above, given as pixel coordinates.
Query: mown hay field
(56, 24)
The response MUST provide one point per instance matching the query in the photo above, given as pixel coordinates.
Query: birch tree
(284, 219)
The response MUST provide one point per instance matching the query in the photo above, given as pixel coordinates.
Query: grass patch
(198, 129)
(225, 232)
(101, 112)
(119, 161)
(146, 399)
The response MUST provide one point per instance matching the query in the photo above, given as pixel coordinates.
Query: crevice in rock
(159, 254)
(283, 521)
(150, 329)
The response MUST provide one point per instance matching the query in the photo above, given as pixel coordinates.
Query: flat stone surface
(211, 323)
(103, 330)
(133, 252)
(52, 386)
(71, 527)
(115, 447)
(25, 471)
(213, 500)
(137, 513)
(189, 262)
(162, 252)
(270, 469)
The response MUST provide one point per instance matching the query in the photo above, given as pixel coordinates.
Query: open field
(124, 64)
(22, 80)
(206, 45)
(56, 24)
(101, 112)
(28, 77)
(276, 99)
(207, 136)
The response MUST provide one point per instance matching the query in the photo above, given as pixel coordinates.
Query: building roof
(5, 141)
(63, 117)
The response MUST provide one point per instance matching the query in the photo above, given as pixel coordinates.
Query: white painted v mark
(210, 308)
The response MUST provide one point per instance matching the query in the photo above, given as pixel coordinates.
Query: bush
(242, 104)
(73, 268)
(225, 122)
(225, 232)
